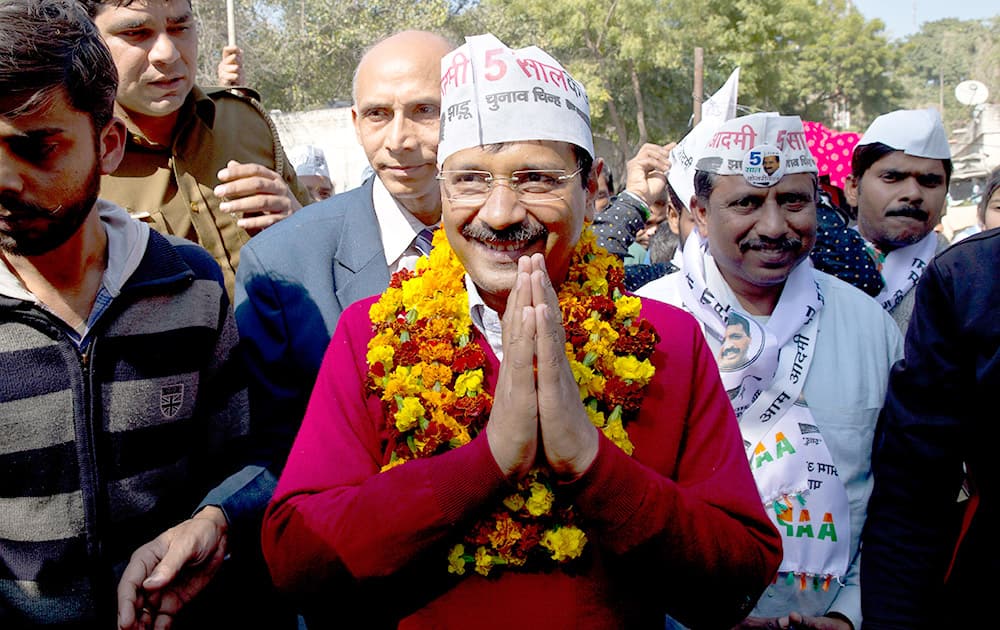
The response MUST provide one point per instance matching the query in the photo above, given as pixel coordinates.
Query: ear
(592, 189)
(674, 219)
(851, 190)
(700, 215)
(111, 145)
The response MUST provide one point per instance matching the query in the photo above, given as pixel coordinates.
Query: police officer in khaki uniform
(206, 165)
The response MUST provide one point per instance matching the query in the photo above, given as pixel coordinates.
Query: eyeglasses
(473, 187)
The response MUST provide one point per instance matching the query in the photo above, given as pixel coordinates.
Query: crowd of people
(484, 388)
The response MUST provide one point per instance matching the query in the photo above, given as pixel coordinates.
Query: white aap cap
(491, 93)
(762, 148)
(308, 159)
(719, 108)
(916, 132)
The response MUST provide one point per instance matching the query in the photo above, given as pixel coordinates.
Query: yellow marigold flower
(379, 354)
(600, 330)
(632, 369)
(410, 412)
(413, 293)
(596, 417)
(469, 383)
(505, 533)
(398, 383)
(596, 386)
(628, 307)
(385, 308)
(540, 501)
(565, 543)
(484, 561)
(456, 560)
(396, 462)
(460, 432)
(436, 373)
(617, 434)
(581, 373)
(514, 502)
(438, 398)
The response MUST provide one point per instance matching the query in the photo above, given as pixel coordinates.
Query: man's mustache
(730, 352)
(764, 243)
(912, 212)
(522, 232)
(11, 206)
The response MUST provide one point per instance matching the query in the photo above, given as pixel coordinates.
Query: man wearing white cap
(899, 179)
(311, 169)
(439, 481)
(808, 389)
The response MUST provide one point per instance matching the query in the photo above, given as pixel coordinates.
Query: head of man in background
(760, 226)
(312, 170)
(899, 178)
(605, 184)
(155, 47)
(396, 114)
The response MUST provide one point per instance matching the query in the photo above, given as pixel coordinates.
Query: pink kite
(832, 150)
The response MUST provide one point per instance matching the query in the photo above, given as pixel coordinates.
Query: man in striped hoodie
(120, 408)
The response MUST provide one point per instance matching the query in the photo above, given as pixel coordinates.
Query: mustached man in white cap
(808, 385)
(502, 439)
(899, 179)
(311, 168)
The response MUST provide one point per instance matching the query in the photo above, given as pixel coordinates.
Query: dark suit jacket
(940, 412)
(294, 280)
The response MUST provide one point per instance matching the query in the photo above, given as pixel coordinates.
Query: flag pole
(231, 22)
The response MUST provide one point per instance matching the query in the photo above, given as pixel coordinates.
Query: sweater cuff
(242, 498)
(465, 477)
(607, 491)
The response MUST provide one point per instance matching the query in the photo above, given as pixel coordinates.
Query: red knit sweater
(677, 528)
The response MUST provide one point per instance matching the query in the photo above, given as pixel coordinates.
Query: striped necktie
(423, 240)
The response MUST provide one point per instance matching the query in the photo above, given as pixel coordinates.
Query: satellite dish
(971, 92)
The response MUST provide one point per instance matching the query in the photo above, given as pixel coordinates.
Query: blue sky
(898, 15)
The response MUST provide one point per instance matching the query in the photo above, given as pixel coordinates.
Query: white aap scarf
(901, 268)
(763, 368)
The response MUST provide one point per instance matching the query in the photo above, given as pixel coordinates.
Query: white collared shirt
(398, 228)
(485, 319)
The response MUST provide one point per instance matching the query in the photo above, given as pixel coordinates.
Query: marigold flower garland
(428, 373)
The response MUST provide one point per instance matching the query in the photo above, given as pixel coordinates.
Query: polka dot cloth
(832, 150)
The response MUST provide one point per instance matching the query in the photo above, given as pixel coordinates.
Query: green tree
(943, 54)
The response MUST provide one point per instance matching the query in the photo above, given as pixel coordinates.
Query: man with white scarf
(809, 389)
(899, 179)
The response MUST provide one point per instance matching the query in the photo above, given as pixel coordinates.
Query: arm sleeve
(335, 519)
(617, 225)
(705, 521)
(912, 516)
(278, 381)
(848, 600)
(243, 495)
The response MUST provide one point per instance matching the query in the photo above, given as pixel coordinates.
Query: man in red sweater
(505, 437)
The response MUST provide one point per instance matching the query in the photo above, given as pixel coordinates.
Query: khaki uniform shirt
(171, 187)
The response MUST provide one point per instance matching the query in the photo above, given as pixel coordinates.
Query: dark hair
(609, 176)
(867, 154)
(51, 45)
(991, 187)
(704, 184)
(735, 319)
(91, 6)
(675, 199)
(662, 244)
(585, 162)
